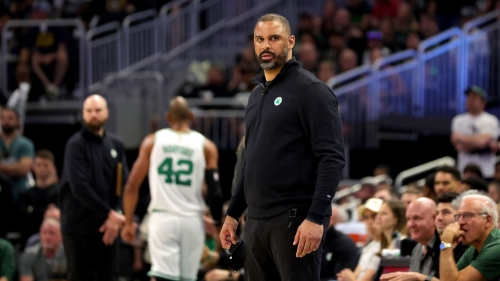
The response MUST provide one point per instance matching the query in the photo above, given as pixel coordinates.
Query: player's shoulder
(489, 117)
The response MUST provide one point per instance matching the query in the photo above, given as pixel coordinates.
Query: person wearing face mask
(16, 152)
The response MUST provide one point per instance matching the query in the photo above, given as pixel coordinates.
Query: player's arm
(17, 169)
(136, 176)
(214, 199)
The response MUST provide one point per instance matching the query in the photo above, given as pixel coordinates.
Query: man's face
(444, 216)
(43, 168)
(474, 103)
(272, 44)
(95, 115)
(50, 236)
(472, 223)
(444, 182)
(420, 223)
(9, 121)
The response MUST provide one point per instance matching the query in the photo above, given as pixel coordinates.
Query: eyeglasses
(467, 216)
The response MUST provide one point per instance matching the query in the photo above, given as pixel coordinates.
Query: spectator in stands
(391, 219)
(326, 71)
(445, 213)
(348, 60)
(385, 8)
(52, 212)
(328, 16)
(7, 261)
(471, 170)
(447, 179)
(343, 19)
(16, 152)
(413, 40)
(494, 191)
(385, 194)
(45, 260)
(360, 13)
(381, 170)
(216, 85)
(374, 42)
(421, 214)
(428, 187)
(474, 182)
(308, 57)
(404, 23)
(410, 195)
(339, 251)
(369, 261)
(19, 97)
(476, 224)
(34, 202)
(387, 30)
(336, 43)
(475, 133)
(375, 54)
(428, 26)
(46, 48)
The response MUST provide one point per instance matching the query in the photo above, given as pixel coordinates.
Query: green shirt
(7, 260)
(488, 260)
(19, 148)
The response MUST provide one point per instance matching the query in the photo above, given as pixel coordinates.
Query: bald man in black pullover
(88, 194)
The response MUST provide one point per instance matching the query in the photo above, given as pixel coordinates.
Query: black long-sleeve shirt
(87, 189)
(295, 151)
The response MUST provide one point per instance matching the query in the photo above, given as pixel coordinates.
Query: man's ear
(291, 41)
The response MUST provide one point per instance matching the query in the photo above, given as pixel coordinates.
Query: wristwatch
(428, 278)
(444, 246)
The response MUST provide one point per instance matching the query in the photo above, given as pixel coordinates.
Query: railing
(8, 34)
(427, 167)
(429, 82)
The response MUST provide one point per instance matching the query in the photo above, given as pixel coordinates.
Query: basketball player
(178, 159)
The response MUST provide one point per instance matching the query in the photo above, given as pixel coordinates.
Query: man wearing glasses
(476, 225)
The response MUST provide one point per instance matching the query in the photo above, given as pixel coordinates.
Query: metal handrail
(450, 161)
(469, 26)
(439, 38)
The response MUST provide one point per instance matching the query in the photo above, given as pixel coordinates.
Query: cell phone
(234, 246)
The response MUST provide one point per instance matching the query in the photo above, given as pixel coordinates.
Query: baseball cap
(478, 91)
(372, 204)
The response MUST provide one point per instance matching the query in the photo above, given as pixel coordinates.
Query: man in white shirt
(475, 133)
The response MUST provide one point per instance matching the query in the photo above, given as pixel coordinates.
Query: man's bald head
(277, 18)
(424, 202)
(420, 217)
(95, 113)
(178, 110)
(95, 99)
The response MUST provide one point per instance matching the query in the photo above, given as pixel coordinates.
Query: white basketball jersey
(176, 173)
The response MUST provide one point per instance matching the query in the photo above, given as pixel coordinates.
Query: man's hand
(403, 276)
(228, 232)
(308, 238)
(346, 275)
(128, 232)
(217, 275)
(116, 217)
(110, 230)
(452, 233)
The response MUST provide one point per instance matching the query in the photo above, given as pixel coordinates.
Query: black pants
(88, 258)
(270, 253)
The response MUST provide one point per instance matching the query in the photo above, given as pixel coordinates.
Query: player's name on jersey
(178, 149)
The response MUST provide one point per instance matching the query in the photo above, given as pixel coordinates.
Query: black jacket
(87, 189)
(294, 146)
